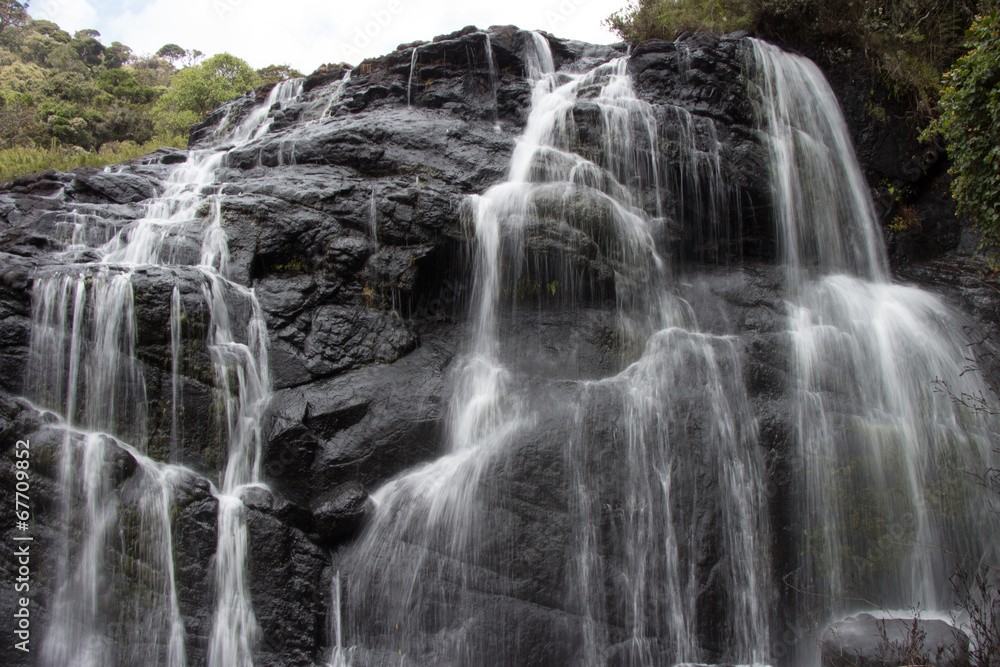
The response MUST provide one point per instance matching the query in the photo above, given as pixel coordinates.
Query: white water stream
(83, 365)
(430, 531)
(887, 452)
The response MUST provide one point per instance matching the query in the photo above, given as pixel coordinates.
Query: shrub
(909, 42)
(666, 19)
(970, 105)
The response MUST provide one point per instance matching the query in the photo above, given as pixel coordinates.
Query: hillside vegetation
(910, 43)
(70, 100)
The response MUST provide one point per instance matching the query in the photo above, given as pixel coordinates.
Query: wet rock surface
(350, 222)
(866, 640)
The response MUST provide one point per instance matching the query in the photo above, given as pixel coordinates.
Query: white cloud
(307, 34)
(71, 15)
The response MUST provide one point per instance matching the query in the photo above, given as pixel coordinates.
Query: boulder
(866, 641)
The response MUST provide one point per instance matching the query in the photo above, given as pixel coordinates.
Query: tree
(234, 72)
(276, 73)
(192, 57)
(195, 91)
(970, 124)
(117, 55)
(171, 53)
(16, 121)
(50, 29)
(124, 85)
(90, 50)
(13, 13)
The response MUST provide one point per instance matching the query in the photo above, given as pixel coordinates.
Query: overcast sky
(306, 34)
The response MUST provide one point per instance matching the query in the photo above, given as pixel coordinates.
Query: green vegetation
(970, 104)
(194, 91)
(70, 101)
(22, 160)
(909, 42)
(937, 57)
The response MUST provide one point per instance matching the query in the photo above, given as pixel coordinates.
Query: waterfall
(176, 313)
(83, 366)
(373, 220)
(77, 634)
(597, 495)
(494, 75)
(886, 450)
(409, 78)
(417, 577)
(338, 657)
(337, 94)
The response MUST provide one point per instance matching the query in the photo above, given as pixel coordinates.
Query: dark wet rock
(231, 112)
(290, 589)
(120, 188)
(324, 75)
(339, 513)
(697, 86)
(166, 156)
(349, 219)
(364, 425)
(194, 539)
(865, 641)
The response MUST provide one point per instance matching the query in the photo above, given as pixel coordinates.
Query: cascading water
(409, 80)
(491, 64)
(83, 365)
(886, 451)
(417, 579)
(338, 93)
(494, 77)
(373, 220)
(618, 506)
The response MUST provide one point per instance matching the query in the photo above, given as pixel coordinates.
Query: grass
(23, 160)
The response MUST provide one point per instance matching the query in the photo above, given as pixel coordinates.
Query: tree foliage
(970, 124)
(171, 52)
(195, 91)
(63, 94)
(909, 42)
(12, 13)
(276, 73)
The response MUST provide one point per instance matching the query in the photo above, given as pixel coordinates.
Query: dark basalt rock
(341, 512)
(864, 641)
(120, 188)
(365, 326)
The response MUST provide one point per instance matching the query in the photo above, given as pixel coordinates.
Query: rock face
(349, 219)
(865, 640)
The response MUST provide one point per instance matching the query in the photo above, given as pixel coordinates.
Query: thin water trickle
(887, 453)
(176, 314)
(373, 220)
(339, 655)
(337, 94)
(494, 76)
(409, 78)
